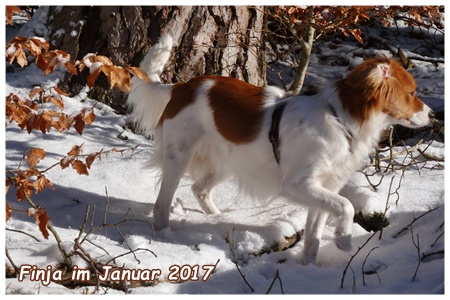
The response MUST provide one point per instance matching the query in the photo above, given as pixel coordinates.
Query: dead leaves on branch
(29, 179)
(11, 11)
(331, 19)
(17, 49)
(47, 60)
(36, 113)
(28, 116)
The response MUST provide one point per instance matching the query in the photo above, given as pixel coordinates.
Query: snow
(123, 194)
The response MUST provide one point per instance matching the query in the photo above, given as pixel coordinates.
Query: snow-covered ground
(124, 193)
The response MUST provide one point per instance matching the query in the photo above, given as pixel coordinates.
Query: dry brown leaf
(90, 159)
(75, 151)
(32, 47)
(41, 62)
(57, 102)
(59, 91)
(80, 167)
(10, 10)
(21, 57)
(41, 183)
(71, 68)
(8, 212)
(35, 91)
(79, 125)
(89, 117)
(34, 156)
(41, 43)
(24, 191)
(357, 35)
(65, 161)
(42, 219)
(64, 122)
(121, 78)
(103, 59)
(8, 183)
(92, 77)
(139, 73)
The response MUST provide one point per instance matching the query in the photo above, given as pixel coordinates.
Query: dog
(303, 148)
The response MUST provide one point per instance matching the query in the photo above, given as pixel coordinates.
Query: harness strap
(348, 134)
(274, 134)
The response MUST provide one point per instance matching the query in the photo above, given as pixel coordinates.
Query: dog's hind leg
(178, 147)
(203, 189)
(173, 170)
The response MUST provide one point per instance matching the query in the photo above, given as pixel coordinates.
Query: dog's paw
(160, 223)
(306, 259)
(364, 201)
(344, 242)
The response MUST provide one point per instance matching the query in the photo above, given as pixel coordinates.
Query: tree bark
(211, 40)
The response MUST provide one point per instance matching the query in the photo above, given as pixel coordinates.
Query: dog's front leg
(314, 226)
(322, 202)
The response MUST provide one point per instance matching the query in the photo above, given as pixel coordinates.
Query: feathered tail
(148, 100)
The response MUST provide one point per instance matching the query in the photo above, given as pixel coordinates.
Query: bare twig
(11, 261)
(131, 252)
(374, 186)
(20, 231)
(233, 247)
(277, 276)
(413, 221)
(435, 241)
(418, 252)
(83, 226)
(352, 257)
(364, 263)
(427, 255)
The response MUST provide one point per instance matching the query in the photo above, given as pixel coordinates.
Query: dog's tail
(148, 100)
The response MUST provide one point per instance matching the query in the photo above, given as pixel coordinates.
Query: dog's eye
(413, 93)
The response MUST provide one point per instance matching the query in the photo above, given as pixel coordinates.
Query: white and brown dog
(216, 127)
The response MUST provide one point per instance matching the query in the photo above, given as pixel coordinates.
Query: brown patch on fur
(237, 108)
(364, 91)
(183, 94)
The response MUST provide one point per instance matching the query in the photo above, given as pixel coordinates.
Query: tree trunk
(212, 40)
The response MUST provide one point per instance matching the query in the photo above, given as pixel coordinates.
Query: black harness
(274, 134)
(348, 134)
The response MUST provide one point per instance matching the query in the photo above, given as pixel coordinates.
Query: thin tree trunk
(304, 57)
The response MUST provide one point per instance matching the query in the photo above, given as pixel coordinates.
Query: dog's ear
(383, 70)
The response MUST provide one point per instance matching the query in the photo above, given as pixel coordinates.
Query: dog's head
(381, 85)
